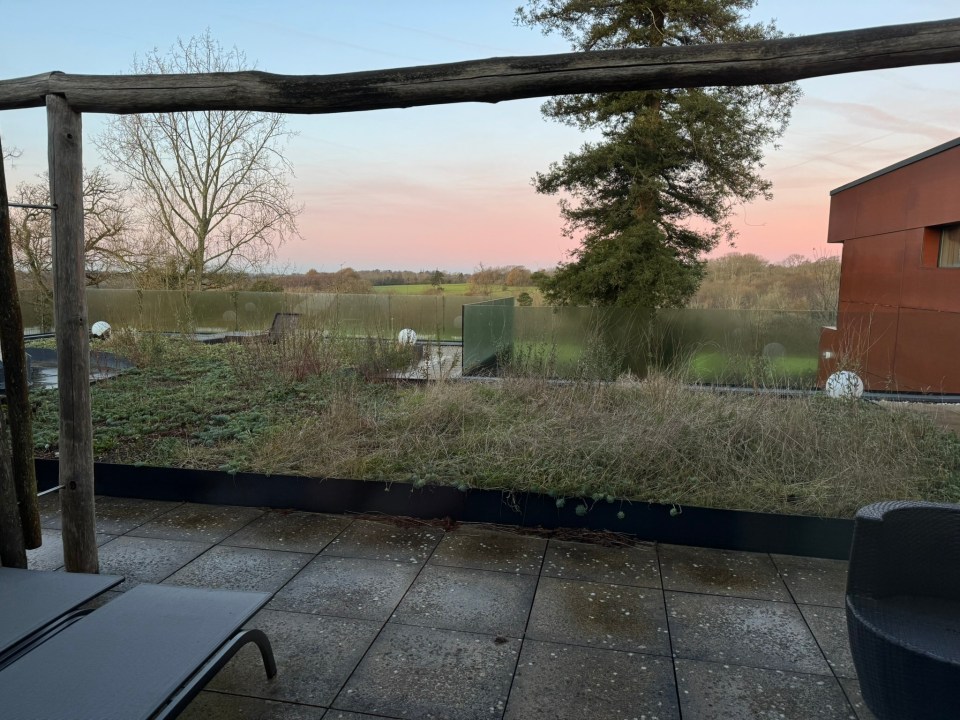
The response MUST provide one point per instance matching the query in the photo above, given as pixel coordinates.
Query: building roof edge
(903, 163)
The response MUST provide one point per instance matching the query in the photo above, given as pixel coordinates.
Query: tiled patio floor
(371, 620)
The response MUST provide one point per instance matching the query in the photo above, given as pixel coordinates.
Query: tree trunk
(23, 476)
(73, 341)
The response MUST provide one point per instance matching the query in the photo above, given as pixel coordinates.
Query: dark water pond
(43, 367)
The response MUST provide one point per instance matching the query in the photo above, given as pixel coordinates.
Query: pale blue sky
(449, 186)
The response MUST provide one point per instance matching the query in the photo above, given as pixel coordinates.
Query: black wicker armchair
(903, 609)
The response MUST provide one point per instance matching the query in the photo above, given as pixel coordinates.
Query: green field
(450, 289)
(420, 289)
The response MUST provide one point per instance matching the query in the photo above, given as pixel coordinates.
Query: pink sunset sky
(449, 186)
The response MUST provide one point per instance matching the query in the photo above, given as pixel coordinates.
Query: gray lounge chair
(34, 603)
(282, 324)
(145, 654)
(903, 609)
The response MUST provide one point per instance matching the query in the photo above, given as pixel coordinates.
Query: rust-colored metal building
(898, 319)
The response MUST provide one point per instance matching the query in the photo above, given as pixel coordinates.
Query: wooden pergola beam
(498, 79)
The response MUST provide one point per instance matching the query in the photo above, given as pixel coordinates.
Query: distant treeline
(347, 280)
(746, 281)
(735, 281)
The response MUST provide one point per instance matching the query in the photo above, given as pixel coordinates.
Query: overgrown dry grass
(649, 441)
(290, 408)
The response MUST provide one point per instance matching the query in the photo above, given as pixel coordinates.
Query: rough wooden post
(12, 551)
(73, 342)
(19, 456)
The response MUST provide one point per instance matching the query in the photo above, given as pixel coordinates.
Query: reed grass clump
(308, 406)
(654, 440)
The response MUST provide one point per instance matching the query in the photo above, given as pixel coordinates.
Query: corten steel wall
(898, 319)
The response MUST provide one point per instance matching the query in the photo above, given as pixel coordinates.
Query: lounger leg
(266, 651)
(199, 679)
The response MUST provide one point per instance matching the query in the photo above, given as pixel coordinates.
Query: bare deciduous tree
(109, 245)
(517, 276)
(214, 185)
(483, 280)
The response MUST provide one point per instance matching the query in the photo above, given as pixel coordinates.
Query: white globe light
(407, 337)
(774, 351)
(844, 384)
(100, 329)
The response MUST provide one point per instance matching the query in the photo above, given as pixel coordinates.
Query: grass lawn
(305, 408)
(721, 368)
(420, 289)
(451, 289)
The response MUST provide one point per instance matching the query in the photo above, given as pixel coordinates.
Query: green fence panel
(571, 342)
(255, 310)
(37, 311)
(739, 347)
(752, 347)
(488, 334)
(366, 315)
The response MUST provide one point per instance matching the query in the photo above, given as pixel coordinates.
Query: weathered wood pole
(64, 139)
(498, 79)
(20, 457)
(12, 550)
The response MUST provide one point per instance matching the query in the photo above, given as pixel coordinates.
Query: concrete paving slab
(490, 550)
(221, 706)
(758, 633)
(385, 541)
(452, 638)
(814, 581)
(480, 601)
(636, 565)
(49, 556)
(829, 627)
(146, 560)
(290, 530)
(202, 523)
(347, 587)
(315, 656)
(414, 672)
(230, 568)
(115, 516)
(851, 687)
(713, 691)
(120, 515)
(721, 572)
(615, 617)
(567, 682)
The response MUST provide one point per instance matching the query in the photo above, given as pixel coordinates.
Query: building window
(949, 246)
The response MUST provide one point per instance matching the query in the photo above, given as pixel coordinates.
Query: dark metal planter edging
(705, 527)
